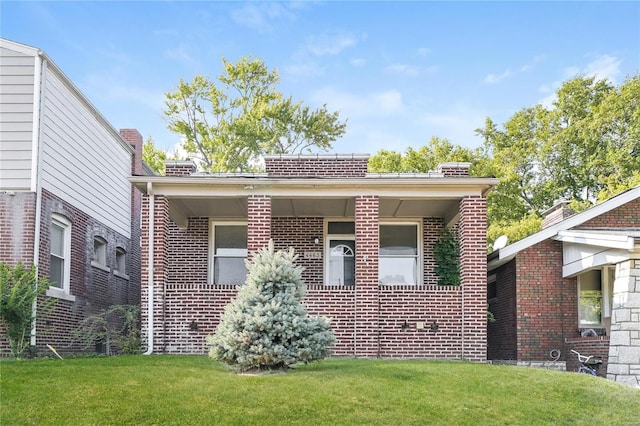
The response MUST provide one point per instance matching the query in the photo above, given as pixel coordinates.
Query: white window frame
(327, 244)
(63, 290)
(100, 253)
(419, 252)
(212, 249)
(604, 299)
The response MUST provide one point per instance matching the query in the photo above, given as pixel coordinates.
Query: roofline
(507, 253)
(263, 185)
(30, 50)
(317, 156)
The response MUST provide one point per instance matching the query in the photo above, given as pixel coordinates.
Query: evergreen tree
(266, 326)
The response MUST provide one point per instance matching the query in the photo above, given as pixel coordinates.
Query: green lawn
(194, 390)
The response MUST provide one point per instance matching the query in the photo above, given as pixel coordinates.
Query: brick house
(365, 240)
(579, 275)
(66, 204)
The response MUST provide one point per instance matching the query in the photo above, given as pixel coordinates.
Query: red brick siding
(17, 227)
(317, 167)
(502, 334)
(258, 222)
(430, 231)
(473, 272)
(298, 232)
(546, 303)
(625, 216)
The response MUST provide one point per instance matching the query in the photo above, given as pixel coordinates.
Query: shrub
(266, 326)
(117, 327)
(446, 253)
(19, 289)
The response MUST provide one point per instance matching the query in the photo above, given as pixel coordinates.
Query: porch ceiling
(180, 209)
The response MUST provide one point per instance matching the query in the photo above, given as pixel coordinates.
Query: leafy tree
(426, 158)
(266, 326)
(153, 156)
(19, 289)
(584, 148)
(228, 125)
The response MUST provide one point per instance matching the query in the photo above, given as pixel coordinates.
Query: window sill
(60, 294)
(100, 266)
(121, 275)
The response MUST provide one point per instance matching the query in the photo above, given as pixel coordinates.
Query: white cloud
(410, 70)
(304, 69)
(497, 78)
(604, 66)
(260, 15)
(329, 44)
(351, 105)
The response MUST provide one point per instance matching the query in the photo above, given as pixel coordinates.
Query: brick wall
(624, 216)
(316, 165)
(17, 227)
(473, 273)
(179, 168)
(454, 169)
(258, 222)
(502, 334)
(546, 303)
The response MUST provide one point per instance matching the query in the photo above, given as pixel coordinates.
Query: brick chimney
(454, 169)
(134, 138)
(557, 213)
(179, 168)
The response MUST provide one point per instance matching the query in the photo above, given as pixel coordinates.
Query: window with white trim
(99, 252)
(228, 252)
(340, 249)
(399, 254)
(60, 253)
(594, 297)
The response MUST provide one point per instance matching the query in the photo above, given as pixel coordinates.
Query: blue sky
(400, 72)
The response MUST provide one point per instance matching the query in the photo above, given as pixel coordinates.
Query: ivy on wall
(446, 252)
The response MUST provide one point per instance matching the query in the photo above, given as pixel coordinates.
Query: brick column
(367, 285)
(473, 271)
(160, 264)
(624, 343)
(259, 222)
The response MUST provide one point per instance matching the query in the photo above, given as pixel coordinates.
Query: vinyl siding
(83, 161)
(17, 82)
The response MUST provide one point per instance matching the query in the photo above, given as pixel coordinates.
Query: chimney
(179, 168)
(134, 138)
(454, 169)
(557, 213)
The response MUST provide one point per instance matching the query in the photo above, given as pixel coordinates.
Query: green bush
(117, 327)
(19, 289)
(266, 326)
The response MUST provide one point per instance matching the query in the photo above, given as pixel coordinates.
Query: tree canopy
(583, 148)
(229, 124)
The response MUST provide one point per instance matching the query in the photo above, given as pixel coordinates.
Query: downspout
(150, 277)
(36, 174)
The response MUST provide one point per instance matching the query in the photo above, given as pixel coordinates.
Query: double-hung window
(60, 254)
(399, 254)
(99, 252)
(121, 261)
(228, 252)
(594, 297)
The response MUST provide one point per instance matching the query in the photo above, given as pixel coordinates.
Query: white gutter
(36, 167)
(150, 277)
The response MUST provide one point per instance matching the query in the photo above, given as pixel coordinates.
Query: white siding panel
(17, 82)
(82, 162)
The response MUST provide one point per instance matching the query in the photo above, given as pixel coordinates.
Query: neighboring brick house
(66, 204)
(579, 274)
(365, 240)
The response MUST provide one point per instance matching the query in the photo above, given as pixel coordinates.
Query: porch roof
(225, 195)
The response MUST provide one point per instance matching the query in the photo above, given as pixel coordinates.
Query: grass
(194, 390)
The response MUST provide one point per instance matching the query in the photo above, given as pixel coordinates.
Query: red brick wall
(258, 222)
(502, 334)
(179, 168)
(298, 232)
(546, 303)
(317, 166)
(17, 227)
(473, 272)
(625, 216)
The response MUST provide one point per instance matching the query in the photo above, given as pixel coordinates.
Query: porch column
(366, 339)
(624, 343)
(158, 274)
(473, 272)
(258, 223)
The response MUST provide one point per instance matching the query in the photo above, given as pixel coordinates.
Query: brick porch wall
(596, 346)
(546, 303)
